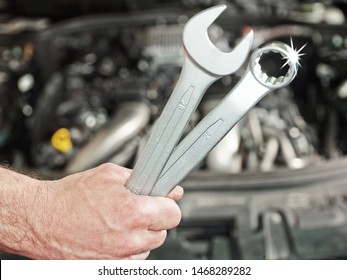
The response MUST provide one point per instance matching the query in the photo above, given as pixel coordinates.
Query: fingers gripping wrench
(203, 65)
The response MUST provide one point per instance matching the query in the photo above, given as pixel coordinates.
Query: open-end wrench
(254, 85)
(203, 65)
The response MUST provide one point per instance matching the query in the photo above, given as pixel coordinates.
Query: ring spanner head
(203, 52)
(287, 53)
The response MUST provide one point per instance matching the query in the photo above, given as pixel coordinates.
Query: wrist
(19, 196)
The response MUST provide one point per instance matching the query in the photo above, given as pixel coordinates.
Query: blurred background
(82, 82)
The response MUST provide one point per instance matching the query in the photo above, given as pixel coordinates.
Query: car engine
(83, 83)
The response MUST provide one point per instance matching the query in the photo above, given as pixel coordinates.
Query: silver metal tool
(203, 65)
(254, 85)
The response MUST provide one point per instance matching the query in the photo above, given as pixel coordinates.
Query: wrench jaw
(287, 53)
(204, 53)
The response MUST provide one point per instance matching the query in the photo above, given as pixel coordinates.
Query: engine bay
(80, 85)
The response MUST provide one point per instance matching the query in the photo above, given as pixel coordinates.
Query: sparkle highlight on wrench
(293, 55)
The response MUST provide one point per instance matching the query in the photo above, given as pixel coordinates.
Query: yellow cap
(61, 140)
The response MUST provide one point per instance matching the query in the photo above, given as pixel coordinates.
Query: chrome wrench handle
(254, 85)
(170, 127)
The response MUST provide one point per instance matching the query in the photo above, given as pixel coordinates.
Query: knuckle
(160, 239)
(155, 240)
(107, 167)
(136, 214)
(148, 213)
(114, 171)
(145, 212)
(132, 247)
(177, 215)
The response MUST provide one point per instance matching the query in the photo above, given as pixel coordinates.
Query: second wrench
(254, 85)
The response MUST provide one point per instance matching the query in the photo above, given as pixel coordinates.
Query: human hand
(91, 215)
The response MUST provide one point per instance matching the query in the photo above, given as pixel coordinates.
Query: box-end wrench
(253, 86)
(204, 64)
